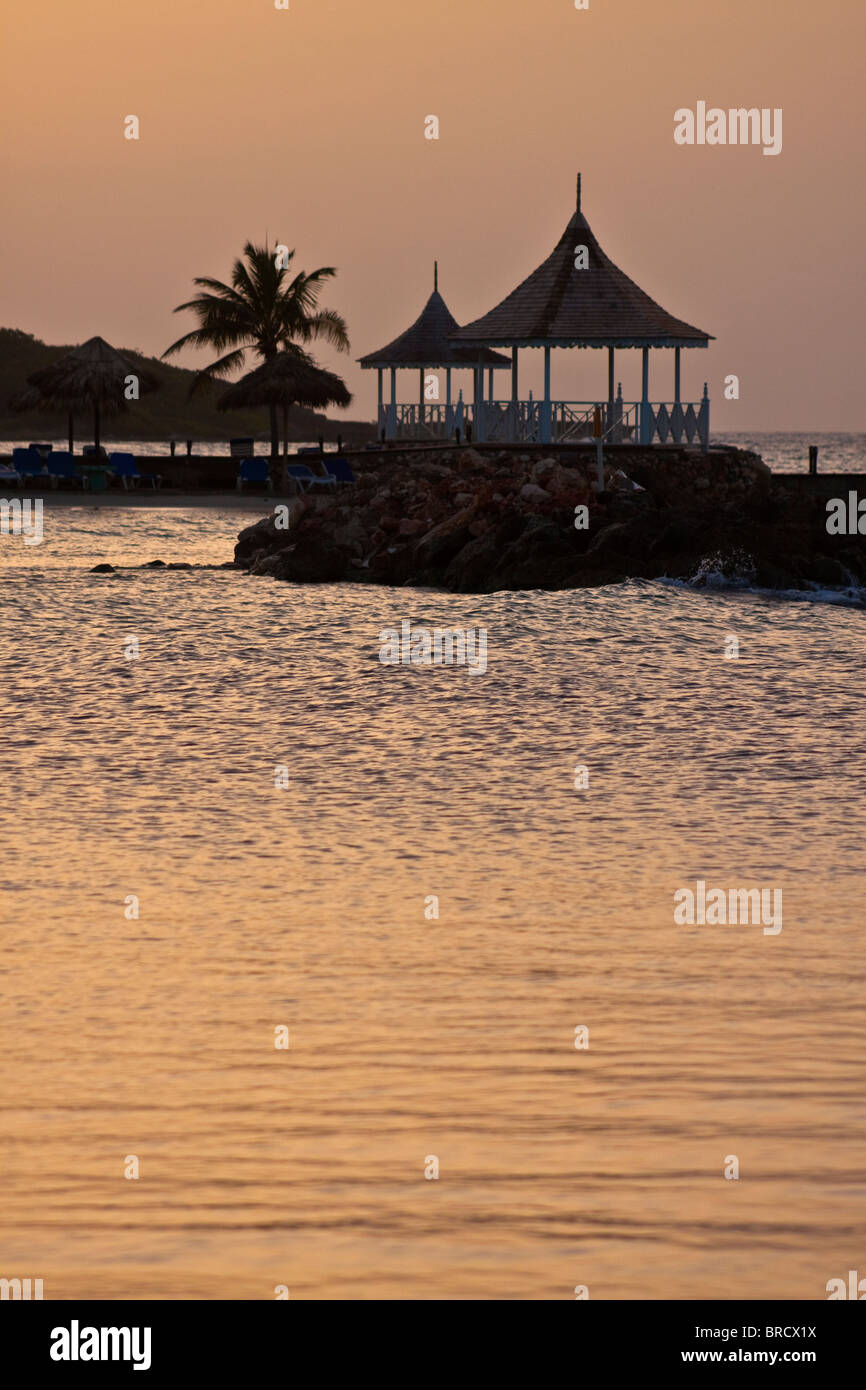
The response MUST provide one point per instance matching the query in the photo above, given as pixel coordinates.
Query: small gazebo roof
(427, 343)
(561, 306)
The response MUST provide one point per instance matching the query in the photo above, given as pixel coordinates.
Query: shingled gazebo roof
(561, 306)
(427, 343)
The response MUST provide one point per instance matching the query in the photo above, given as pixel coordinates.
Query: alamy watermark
(438, 646)
(77, 1343)
(23, 1289)
(719, 907)
(846, 518)
(738, 125)
(16, 519)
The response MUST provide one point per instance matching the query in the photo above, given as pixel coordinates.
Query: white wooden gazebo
(426, 346)
(578, 298)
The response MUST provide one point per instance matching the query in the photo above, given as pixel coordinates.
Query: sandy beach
(96, 501)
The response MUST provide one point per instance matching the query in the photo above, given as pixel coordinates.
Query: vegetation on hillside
(168, 412)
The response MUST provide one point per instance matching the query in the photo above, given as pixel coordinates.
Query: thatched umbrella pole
(71, 423)
(287, 379)
(96, 426)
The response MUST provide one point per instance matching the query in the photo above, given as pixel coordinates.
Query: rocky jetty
(480, 520)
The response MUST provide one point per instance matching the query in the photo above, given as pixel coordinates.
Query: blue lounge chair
(60, 464)
(340, 468)
(9, 474)
(126, 469)
(28, 463)
(254, 471)
(306, 479)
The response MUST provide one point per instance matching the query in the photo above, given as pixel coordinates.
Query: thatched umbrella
(92, 375)
(289, 378)
(30, 401)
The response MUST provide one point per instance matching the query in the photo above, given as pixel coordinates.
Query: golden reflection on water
(411, 1037)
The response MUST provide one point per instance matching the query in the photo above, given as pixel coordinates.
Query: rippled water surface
(409, 1037)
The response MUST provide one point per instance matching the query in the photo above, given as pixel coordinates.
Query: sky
(308, 125)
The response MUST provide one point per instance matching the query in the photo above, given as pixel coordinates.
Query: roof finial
(578, 192)
(435, 275)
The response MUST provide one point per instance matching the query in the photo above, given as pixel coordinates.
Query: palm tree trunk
(275, 435)
(284, 473)
(71, 423)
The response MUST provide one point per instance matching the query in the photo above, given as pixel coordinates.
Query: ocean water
(783, 452)
(789, 452)
(412, 1036)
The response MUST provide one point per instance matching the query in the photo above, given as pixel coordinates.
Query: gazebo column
(379, 398)
(545, 413)
(447, 401)
(645, 427)
(677, 375)
(420, 397)
(391, 428)
(610, 380)
(490, 383)
(478, 432)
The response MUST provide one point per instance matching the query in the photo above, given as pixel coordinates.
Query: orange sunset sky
(308, 124)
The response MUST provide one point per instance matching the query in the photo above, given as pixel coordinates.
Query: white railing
(427, 422)
(554, 422)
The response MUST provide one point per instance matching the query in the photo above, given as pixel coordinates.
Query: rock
(104, 568)
(438, 548)
(542, 470)
(622, 483)
(471, 568)
(469, 460)
(474, 522)
(612, 537)
(673, 538)
(153, 565)
(307, 561)
(511, 525)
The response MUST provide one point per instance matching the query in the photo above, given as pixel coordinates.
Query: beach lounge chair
(28, 463)
(254, 471)
(126, 469)
(306, 479)
(60, 464)
(340, 468)
(8, 474)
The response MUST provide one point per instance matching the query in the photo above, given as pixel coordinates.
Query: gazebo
(428, 346)
(579, 298)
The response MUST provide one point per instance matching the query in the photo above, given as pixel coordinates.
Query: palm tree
(263, 310)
